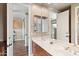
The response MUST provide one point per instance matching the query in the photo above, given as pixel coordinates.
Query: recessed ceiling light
(54, 4)
(49, 3)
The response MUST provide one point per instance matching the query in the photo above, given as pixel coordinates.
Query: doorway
(20, 30)
(17, 29)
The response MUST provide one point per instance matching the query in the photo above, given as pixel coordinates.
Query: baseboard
(18, 39)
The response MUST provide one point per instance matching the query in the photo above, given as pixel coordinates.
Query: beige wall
(1, 23)
(1, 30)
(73, 22)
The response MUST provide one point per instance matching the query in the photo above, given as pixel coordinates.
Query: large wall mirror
(53, 18)
(37, 24)
(53, 29)
(44, 25)
(40, 24)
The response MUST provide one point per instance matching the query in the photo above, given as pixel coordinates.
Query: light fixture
(49, 3)
(54, 3)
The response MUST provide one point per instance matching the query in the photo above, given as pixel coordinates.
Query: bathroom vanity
(42, 43)
(44, 48)
(38, 51)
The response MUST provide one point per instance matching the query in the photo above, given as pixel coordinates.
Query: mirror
(53, 29)
(44, 25)
(37, 24)
(40, 24)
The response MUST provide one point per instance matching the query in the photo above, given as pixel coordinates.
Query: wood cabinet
(38, 51)
(40, 11)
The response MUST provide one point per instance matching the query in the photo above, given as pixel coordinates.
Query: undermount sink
(51, 42)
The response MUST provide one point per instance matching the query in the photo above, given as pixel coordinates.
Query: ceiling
(58, 7)
(19, 10)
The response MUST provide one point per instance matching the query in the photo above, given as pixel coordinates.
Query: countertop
(55, 49)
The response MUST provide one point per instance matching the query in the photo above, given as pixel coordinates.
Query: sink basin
(51, 42)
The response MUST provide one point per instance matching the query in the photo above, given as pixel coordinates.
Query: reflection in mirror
(40, 24)
(44, 25)
(37, 24)
(53, 29)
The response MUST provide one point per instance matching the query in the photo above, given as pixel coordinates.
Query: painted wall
(1, 23)
(1, 30)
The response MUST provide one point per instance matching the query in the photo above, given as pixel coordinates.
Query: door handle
(9, 45)
(67, 35)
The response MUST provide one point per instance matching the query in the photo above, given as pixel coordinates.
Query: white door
(63, 27)
(9, 30)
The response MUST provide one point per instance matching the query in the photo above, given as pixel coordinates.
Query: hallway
(19, 48)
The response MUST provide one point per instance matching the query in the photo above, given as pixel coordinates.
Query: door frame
(76, 22)
(9, 30)
(29, 29)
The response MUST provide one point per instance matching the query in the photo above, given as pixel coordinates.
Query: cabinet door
(36, 10)
(63, 27)
(45, 12)
(38, 51)
(44, 25)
